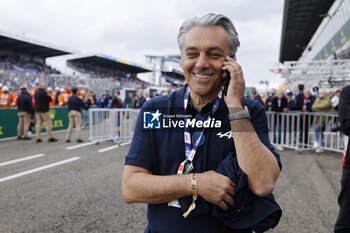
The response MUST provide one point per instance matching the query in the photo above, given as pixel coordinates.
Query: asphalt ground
(79, 190)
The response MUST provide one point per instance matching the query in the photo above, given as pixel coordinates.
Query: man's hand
(216, 188)
(236, 87)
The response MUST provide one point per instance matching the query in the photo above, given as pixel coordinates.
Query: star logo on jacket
(151, 120)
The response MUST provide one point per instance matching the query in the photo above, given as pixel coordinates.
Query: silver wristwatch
(240, 115)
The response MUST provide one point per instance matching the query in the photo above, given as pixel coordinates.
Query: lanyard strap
(190, 152)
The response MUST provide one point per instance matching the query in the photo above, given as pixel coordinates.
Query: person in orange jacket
(82, 94)
(52, 95)
(5, 98)
(14, 99)
(32, 92)
(90, 97)
(63, 97)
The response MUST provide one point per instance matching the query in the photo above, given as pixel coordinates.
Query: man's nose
(202, 62)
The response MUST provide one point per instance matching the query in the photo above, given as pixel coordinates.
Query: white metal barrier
(112, 124)
(294, 130)
(305, 130)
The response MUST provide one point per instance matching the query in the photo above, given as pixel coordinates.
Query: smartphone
(226, 79)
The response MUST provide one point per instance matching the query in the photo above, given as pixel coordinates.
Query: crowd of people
(113, 75)
(302, 101)
(33, 106)
(279, 101)
(16, 63)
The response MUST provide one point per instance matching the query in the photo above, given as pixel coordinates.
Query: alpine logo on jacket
(228, 134)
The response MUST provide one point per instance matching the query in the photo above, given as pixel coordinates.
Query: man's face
(322, 94)
(203, 53)
(280, 94)
(307, 93)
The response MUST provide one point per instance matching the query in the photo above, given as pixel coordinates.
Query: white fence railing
(305, 131)
(112, 124)
(294, 130)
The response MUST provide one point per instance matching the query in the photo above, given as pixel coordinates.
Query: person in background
(135, 98)
(99, 101)
(268, 101)
(32, 92)
(322, 104)
(5, 98)
(279, 104)
(146, 95)
(34, 89)
(168, 90)
(15, 98)
(300, 93)
(141, 100)
(25, 112)
(65, 93)
(315, 89)
(335, 99)
(85, 110)
(52, 95)
(116, 101)
(74, 106)
(107, 100)
(304, 104)
(343, 222)
(42, 101)
(255, 96)
(291, 101)
(93, 96)
(57, 93)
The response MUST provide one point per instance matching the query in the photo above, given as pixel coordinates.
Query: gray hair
(211, 20)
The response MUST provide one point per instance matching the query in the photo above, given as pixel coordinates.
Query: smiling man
(197, 179)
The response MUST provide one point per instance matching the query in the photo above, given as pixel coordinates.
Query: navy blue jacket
(75, 103)
(162, 150)
(42, 100)
(25, 104)
(250, 212)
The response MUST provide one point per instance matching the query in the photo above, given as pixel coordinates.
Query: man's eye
(215, 55)
(191, 54)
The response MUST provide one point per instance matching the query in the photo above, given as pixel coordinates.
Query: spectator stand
(22, 60)
(104, 72)
(167, 70)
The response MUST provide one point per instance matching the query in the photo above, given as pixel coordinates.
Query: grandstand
(103, 69)
(22, 60)
(168, 70)
(315, 45)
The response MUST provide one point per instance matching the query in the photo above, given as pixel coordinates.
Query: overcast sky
(131, 29)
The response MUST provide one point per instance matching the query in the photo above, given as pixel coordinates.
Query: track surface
(84, 195)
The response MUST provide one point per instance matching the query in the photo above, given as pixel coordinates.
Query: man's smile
(203, 76)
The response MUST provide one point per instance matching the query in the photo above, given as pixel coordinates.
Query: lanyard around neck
(190, 152)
